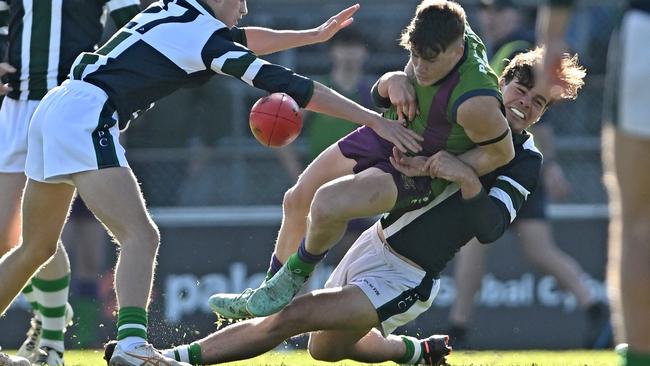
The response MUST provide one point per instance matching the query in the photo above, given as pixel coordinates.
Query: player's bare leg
(469, 267)
(330, 164)
(629, 241)
(11, 192)
(540, 249)
(365, 194)
(45, 208)
(334, 345)
(308, 312)
(114, 196)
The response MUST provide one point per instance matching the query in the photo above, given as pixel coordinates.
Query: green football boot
(275, 293)
(231, 306)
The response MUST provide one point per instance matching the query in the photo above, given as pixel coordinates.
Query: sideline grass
(482, 358)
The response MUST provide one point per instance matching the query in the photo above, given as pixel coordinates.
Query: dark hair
(436, 26)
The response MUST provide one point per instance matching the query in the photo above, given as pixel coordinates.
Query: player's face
(524, 106)
(430, 70)
(229, 11)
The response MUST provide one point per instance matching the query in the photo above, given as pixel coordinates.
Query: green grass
(483, 358)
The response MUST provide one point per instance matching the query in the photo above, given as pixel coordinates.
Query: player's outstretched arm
(263, 41)
(484, 124)
(327, 101)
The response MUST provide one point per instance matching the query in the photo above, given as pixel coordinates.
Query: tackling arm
(484, 124)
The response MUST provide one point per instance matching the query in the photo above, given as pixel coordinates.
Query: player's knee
(323, 208)
(297, 199)
(288, 322)
(324, 352)
(144, 235)
(40, 251)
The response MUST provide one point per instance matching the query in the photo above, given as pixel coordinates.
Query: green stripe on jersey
(122, 16)
(113, 42)
(86, 59)
(39, 48)
(237, 67)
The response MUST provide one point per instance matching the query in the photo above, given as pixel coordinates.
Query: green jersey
(439, 103)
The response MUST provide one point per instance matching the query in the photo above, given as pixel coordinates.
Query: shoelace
(33, 333)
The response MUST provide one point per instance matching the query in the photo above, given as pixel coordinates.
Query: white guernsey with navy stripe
(174, 44)
(431, 236)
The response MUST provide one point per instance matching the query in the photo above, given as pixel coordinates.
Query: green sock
(300, 267)
(195, 354)
(188, 353)
(52, 297)
(636, 359)
(413, 351)
(132, 322)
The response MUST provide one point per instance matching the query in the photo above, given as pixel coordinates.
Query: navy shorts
(369, 150)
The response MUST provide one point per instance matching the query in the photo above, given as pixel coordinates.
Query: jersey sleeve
(121, 11)
(239, 35)
(491, 213)
(377, 99)
(224, 56)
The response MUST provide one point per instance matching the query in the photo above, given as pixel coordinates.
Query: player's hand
(401, 93)
(339, 21)
(393, 131)
(550, 68)
(6, 68)
(446, 166)
(555, 182)
(411, 166)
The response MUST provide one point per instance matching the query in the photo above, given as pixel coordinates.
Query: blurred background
(215, 192)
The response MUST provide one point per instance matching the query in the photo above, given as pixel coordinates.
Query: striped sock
(52, 296)
(30, 296)
(274, 267)
(413, 351)
(132, 322)
(303, 262)
(187, 353)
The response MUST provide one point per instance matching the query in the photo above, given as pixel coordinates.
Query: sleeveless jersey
(45, 37)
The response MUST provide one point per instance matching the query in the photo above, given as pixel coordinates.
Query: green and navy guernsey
(45, 37)
(437, 123)
(431, 236)
(175, 44)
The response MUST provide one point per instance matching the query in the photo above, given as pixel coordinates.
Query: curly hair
(435, 27)
(570, 73)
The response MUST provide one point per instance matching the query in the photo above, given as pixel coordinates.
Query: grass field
(482, 358)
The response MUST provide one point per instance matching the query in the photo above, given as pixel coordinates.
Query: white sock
(129, 343)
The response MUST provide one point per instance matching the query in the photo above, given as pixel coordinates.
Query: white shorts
(14, 124)
(398, 290)
(73, 130)
(634, 96)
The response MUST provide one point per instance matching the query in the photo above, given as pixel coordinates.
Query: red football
(275, 120)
